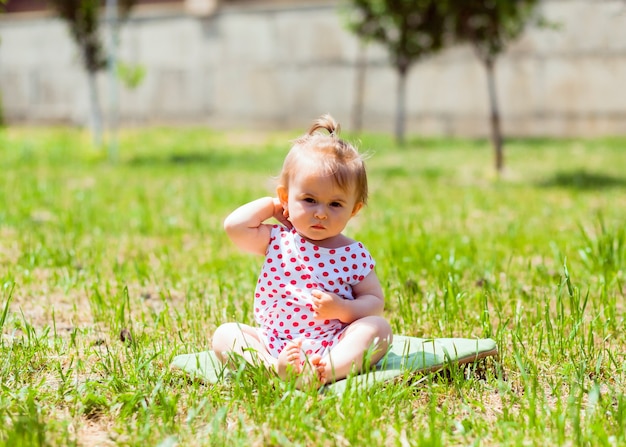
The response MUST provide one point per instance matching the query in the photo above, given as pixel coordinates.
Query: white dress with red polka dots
(293, 268)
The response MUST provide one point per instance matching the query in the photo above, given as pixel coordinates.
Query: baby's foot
(319, 367)
(310, 373)
(289, 361)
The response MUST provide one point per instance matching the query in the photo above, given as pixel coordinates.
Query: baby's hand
(281, 214)
(326, 305)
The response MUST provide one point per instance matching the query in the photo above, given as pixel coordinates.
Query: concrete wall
(281, 66)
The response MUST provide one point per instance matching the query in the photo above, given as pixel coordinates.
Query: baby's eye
(336, 205)
(309, 200)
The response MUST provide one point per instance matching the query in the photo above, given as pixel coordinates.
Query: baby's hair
(336, 158)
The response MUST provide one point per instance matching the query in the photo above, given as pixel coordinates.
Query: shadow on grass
(583, 180)
(181, 159)
(390, 172)
(214, 159)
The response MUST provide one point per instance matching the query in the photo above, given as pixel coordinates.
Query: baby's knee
(375, 328)
(380, 326)
(223, 338)
(381, 331)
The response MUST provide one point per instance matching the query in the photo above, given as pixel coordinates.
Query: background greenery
(107, 271)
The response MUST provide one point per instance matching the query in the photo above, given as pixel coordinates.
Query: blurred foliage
(491, 25)
(131, 75)
(82, 18)
(409, 30)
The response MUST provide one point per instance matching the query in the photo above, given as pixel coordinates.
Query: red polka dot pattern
(293, 268)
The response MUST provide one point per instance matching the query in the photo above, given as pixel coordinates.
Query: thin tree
(359, 88)
(2, 123)
(490, 26)
(409, 30)
(82, 18)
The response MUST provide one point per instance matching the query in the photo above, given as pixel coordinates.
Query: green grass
(88, 249)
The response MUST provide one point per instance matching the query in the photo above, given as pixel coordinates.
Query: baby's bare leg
(369, 334)
(243, 340)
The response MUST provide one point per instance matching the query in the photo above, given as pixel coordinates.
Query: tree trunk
(359, 88)
(94, 103)
(112, 16)
(496, 133)
(401, 107)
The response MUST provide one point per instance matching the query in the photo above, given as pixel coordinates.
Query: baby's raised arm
(246, 228)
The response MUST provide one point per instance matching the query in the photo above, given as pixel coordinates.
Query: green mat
(406, 354)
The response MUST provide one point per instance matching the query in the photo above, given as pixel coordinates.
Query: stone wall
(265, 65)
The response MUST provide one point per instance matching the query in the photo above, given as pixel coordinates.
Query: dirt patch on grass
(95, 433)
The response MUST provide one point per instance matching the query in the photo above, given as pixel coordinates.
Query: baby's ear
(357, 208)
(283, 195)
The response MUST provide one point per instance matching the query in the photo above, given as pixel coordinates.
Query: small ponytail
(325, 122)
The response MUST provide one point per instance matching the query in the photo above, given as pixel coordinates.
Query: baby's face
(318, 208)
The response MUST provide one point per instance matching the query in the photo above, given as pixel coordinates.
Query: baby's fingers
(318, 295)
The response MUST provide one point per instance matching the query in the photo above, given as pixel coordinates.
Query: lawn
(109, 270)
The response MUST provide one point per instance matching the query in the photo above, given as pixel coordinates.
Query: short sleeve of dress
(277, 232)
(360, 262)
